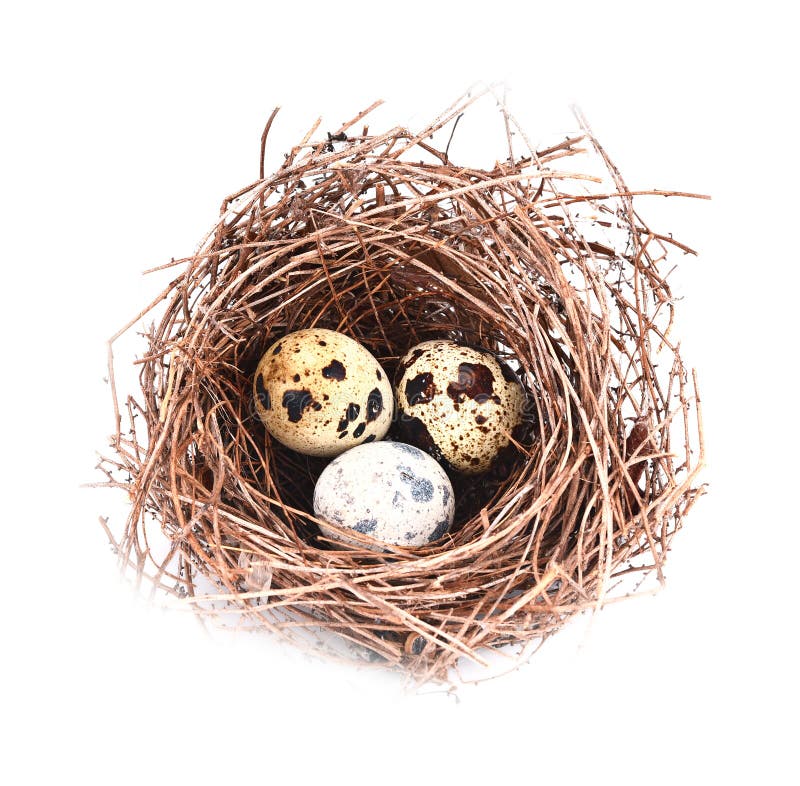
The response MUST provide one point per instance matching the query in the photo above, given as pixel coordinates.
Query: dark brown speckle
(406, 364)
(474, 380)
(420, 389)
(374, 405)
(335, 370)
(263, 393)
(296, 401)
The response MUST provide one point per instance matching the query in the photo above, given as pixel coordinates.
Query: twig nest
(384, 240)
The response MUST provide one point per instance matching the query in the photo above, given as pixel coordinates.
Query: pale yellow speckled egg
(320, 392)
(457, 403)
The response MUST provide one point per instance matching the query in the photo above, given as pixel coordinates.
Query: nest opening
(355, 233)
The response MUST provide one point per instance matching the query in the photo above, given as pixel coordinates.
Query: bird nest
(384, 238)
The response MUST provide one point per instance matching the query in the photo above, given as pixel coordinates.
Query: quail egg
(457, 403)
(390, 491)
(320, 392)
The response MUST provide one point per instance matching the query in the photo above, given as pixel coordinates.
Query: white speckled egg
(320, 392)
(391, 491)
(458, 404)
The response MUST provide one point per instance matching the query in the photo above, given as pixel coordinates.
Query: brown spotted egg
(320, 392)
(458, 404)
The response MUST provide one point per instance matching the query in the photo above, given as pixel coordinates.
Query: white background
(124, 127)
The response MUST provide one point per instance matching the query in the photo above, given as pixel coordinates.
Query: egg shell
(458, 403)
(320, 393)
(390, 491)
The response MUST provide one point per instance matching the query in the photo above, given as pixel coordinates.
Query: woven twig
(384, 238)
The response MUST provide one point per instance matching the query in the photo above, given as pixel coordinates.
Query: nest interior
(386, 239)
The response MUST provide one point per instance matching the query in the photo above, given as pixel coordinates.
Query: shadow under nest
(355, 233)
